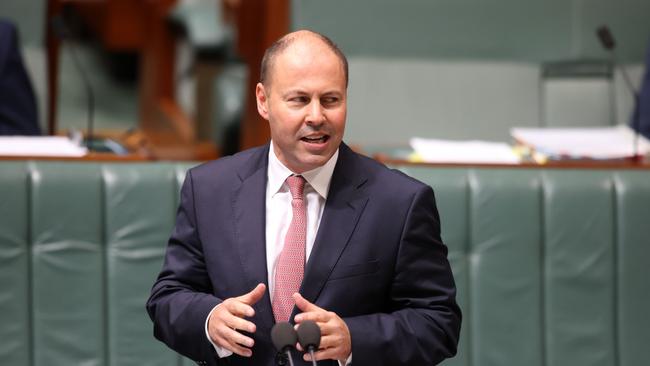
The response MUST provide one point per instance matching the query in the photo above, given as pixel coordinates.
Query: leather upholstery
(80, 246)
(550, 264)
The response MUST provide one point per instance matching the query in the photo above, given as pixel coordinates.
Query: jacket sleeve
(18, 109)
(181, 297)
(423, 324)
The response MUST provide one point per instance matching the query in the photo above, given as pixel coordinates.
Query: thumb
(303, 304)
(254, 295)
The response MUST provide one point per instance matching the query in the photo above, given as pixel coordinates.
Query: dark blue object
(18, 111)
(642, 110)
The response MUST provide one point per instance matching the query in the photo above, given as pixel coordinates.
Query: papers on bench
(447, 151)
(56, 146)
(615, 142)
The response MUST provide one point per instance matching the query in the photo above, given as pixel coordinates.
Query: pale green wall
(29, 16)
(468, 69)
(522, 30)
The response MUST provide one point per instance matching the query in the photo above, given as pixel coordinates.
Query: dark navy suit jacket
(18, 114)
(378, 262)
(642, 109)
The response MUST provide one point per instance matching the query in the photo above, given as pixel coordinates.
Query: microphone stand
(310, 349)
(287, 354)
(65, 35)
(635, 114)
(607, 41)
(89, 92)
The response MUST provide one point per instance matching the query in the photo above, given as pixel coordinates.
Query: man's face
(305, 104)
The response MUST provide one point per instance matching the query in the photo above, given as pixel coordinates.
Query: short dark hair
(281, 44)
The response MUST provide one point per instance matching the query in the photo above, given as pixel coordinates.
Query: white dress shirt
(279, 212)
(279, 215)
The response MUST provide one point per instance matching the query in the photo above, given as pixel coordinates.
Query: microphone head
(283, 336)
(59, 27)
(309, 334)
(606, 38)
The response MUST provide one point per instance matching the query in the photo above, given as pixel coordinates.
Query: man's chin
(312, 161)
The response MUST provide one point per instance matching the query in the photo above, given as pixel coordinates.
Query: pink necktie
(291, 264)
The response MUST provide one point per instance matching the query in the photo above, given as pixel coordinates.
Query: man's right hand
(228, 317)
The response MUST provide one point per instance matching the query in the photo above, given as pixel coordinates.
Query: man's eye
(330, 101)
(299, 100)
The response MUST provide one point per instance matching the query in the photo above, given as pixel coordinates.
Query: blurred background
(180, 73)
(550, 260)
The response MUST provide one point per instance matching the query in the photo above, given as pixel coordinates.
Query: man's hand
(227, 318)
(336, 343)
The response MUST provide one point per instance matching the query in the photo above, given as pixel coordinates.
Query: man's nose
(315, 114)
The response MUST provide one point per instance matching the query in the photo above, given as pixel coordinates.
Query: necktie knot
(296, 186)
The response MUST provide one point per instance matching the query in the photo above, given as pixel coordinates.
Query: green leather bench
(551, 265)
(80, 247)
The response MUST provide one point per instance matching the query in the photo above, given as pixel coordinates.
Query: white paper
(53, 146)
(448, 151)
(593, 143)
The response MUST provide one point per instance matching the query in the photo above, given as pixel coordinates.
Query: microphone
(606, 38)
(607, 41)
(284, 338)
(309, 337)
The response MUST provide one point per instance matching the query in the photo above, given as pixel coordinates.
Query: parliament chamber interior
(549, 245)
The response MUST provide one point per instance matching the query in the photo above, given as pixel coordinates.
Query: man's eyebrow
(297, 91)
(331, 93)
(294, 91)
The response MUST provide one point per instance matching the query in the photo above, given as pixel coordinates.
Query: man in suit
(356, 248)
(18, 114)
(641, 115)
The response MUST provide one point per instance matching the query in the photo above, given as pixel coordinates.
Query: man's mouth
(315, 139)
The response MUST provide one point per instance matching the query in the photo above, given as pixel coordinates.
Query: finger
(236, 337)
(237, 308)
(254, 295)
(329, 341)
(329, 327)
(320, 317)
(236, 323)
(233, 341)
(326, 354)
(237, 349)
(303, 304)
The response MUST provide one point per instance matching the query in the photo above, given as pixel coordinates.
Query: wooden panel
(259, 24)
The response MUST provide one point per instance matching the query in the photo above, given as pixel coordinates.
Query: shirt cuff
(221, 352)
(347, 362)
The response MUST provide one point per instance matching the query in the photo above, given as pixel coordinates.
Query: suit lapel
(249, 207)
(345, 202)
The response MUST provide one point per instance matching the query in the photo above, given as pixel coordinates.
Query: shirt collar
(318, 178)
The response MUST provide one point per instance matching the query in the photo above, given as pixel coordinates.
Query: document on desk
(450, 151)
(616, 142)
(58, 146)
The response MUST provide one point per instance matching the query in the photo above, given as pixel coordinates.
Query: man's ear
(262, 101)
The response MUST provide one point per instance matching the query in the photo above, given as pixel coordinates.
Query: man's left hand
(335, 343)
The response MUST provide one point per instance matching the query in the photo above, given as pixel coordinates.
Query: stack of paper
(582, 143)
(447, 151)
(58, 146)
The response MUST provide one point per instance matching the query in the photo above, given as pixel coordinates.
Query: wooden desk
(197, 153)
(140, 147)
(568, 164)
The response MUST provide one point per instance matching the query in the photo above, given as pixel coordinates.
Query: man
(18, 114)
(641, 115)
(357, 248)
